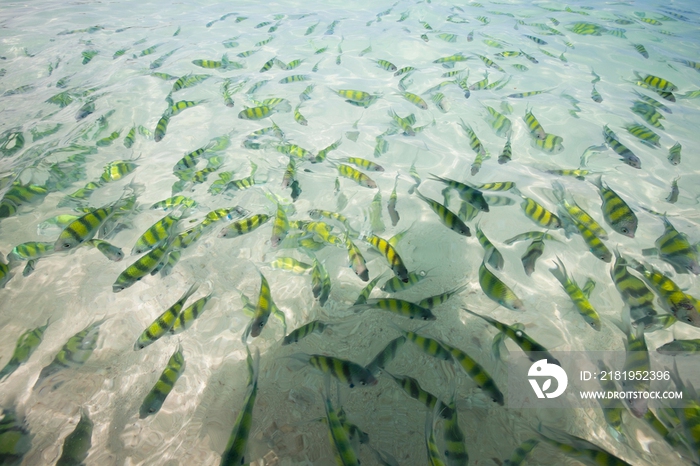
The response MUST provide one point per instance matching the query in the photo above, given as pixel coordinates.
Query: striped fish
(25, 346)
(616, 212)
(580, 301)
(263, 308)
(164, 322)
(477, 373)
(455, 447)
(364, 294)
(396, 306)
(644, 134)
(648, 113)
(447, 217)
(15, 438)
(156, 234)
(345, 371)
(74, 353)
(77, 444)
(499, 122)
(551, 144)
(390, 254)
(385, 356)
(642, 51)
(675, 249)
(302, 332)
(530, 347)
(432, 301)
(680, 347)
(86, 227)
(434, 458)
(234, 454)
(538, 214)
(413, 389)
(142, 267)
(430, 346)
(491, 254)
(579, 448)
(160, 391)
(342, 449)
(533, 125)
(498, 291)
(674, 154)
(532, 253)
(521, 453)
(683, 306)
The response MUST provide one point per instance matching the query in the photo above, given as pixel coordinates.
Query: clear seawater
(74, 289)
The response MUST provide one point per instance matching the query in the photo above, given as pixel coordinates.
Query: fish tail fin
(559, 271)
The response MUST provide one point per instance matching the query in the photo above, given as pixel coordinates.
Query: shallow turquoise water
(193, 426)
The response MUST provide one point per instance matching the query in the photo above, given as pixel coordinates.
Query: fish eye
(624, 230)
(66, 245)
(352, 385)
(688, 319)
(261, 324)
(362, 382)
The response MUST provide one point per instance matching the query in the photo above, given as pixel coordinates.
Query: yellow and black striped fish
(582, 304)
(160, 391)
(164, 322)
(498, 291)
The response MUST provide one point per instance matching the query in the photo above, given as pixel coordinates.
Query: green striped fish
(530, 347)
(160, 391)
(499, 122)
(434, 458)
(477, 373)
(579, 448)
(521, 453)
(187, 316)
(648, 113)
(263, 308)
(636, 359)
(164, 322)
(680, 347)
(345, 371)
(15, 438)
(25, 346)
(538, 214)
(234, 454)
(455, 447)
(86, 227)
(491, 254)
(498, 291)
(674, 248)
(413, 389)
(342, 449)
(447, 217)
(390, 254)
(644, 134)
(616, 212)
(396, 306)
(577, 213)
(142, 267)
(156, 234)
(683, 306)
(77, 444)
(533, 125)
(364, 294)
(551, 144)
(474, 142)
(430, 346)
(385, 65)
(674, 154)
(657, 82)
(74, 353)
(432, 301)
(315, 326)
(385, 356)
(584, 307)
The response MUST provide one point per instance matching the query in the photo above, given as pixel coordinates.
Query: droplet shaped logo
(542, 369)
